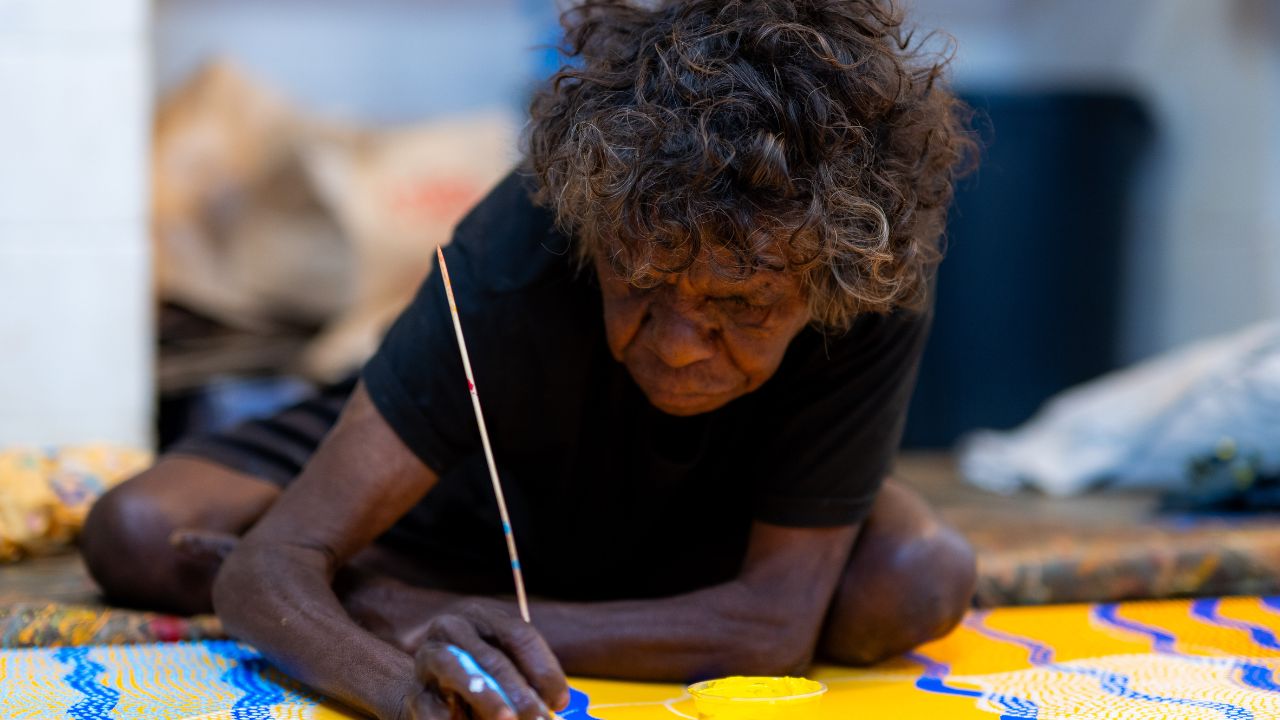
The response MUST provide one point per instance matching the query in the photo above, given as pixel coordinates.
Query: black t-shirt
(609, 496)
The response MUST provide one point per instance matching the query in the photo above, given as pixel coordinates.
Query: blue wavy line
(1252, 674)
(1271, 603)
(1039, 653)
(1110, 682)
(934, 675)
(1118, 684)
(247, 675)
(99, 700)
(1207, 609)
(1161, 642)
(934, 681)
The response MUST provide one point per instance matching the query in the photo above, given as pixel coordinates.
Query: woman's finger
(528, 705)
(428, 705)
(456, 675)
(532, 657)
(468, 630)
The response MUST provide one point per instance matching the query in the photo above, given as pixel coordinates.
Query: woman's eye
(644, 284)
(744, 311)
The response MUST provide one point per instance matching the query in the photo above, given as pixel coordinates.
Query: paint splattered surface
(207, 680)
(1172, 659)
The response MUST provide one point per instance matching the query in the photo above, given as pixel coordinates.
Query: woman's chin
(686, 404)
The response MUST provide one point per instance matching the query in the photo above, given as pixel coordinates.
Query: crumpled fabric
(1140, 427)
(45, 494)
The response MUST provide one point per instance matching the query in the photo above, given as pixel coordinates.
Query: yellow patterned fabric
(1206, 658)
(209, 680)
(45, 494)
(27, 625)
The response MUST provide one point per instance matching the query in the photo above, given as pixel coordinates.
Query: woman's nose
(679, 339)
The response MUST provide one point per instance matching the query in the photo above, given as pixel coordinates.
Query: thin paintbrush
(484, 439)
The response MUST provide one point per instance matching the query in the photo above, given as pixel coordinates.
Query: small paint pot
(757, 698)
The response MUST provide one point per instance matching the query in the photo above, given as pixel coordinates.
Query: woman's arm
(275, 590)
(764, 622)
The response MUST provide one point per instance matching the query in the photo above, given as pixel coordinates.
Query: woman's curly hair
(813, 127)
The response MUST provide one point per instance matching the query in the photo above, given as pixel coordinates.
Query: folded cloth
(1142, 426)
(46, 494)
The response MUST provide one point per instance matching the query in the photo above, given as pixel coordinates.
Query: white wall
(75, 307)
(369, 60)
(1272, 190)
(1206, 253)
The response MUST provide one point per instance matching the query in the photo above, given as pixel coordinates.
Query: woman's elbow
(247, 589)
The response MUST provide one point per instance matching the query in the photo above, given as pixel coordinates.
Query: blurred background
(205, 206)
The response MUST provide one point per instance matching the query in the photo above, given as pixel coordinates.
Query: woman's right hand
(476, 660)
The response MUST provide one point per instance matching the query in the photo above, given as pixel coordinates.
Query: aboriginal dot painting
(1210, 658)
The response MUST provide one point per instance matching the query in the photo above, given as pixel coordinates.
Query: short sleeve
(838, 418)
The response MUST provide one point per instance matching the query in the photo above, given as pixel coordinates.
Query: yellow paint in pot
(756, 698)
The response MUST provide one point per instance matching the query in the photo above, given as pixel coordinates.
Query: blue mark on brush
(506, 528)
(473, 669)
(246, 674)
(515, 564)
(99, 700)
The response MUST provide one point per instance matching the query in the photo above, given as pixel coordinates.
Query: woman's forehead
(764, 277)
(716, 270)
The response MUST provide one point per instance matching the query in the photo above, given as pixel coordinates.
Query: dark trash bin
(1028, 296)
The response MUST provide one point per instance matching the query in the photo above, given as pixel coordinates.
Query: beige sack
(265, 217)
(398, 195)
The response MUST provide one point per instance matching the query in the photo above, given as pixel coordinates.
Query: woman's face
(694, 340)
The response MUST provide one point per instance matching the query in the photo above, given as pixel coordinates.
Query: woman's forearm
(715, 631)
(721, 629)
(765, 622)
(279, 599)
